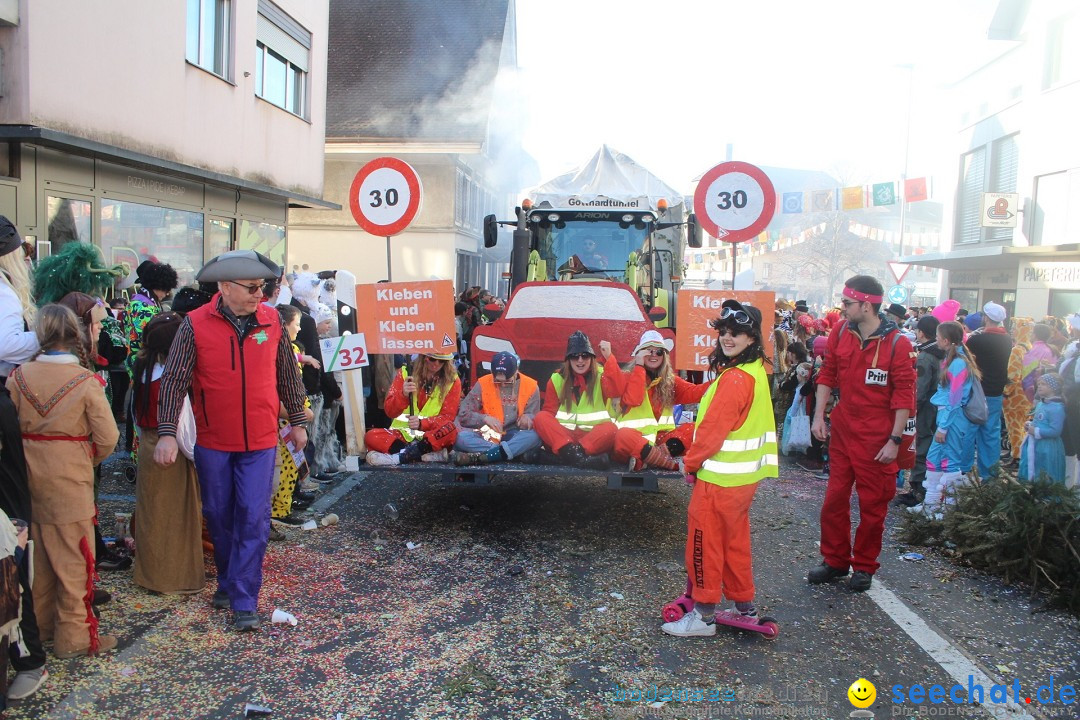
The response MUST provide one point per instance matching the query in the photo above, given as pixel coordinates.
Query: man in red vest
(496, 417)
(236, 360)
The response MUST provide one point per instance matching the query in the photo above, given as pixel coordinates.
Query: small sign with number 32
(348, 352)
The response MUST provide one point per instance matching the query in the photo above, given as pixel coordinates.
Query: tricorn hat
(579, 344)
(238, 265)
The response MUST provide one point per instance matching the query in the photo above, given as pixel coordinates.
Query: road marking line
(945, 653)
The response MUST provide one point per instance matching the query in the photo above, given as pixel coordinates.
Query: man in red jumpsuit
(869, 362)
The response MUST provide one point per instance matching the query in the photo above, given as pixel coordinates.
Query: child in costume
(1044, 450)
(67, 428)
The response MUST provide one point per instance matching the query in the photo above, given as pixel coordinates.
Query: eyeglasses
(251, 289)
(739, 316)
(578, 356)
(846, 302)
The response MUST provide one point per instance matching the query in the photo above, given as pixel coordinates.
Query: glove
(690, 478)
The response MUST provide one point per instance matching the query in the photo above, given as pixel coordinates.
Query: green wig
(78, 267)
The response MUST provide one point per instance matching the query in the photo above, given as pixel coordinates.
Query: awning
(91, 148)
(996, 257)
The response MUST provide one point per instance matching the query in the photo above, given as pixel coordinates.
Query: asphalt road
(540, 597)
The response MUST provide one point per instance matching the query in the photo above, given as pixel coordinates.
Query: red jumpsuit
(630, 442)
(596, 440)
(440, 431)
(875, 378)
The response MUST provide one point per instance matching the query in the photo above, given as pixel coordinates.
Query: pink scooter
(767, 626)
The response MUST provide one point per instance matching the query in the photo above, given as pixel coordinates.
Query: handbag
(796, 428)
(975, 410)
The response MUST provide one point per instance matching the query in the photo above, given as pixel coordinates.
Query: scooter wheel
(772, 629)
(674, 611)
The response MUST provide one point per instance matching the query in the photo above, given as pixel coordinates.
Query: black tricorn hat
(578, 344)
(801, 306)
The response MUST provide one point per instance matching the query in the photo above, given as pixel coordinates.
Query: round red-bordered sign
(734, 201)
(385, 196)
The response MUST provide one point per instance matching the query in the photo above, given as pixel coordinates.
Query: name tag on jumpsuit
(877, 377)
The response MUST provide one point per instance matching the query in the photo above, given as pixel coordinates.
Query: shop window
(1064, 302)
(70, 220)
(468, 271)
(209, 31)
(265, 238)
(131, 233)
(219, 236)
(1062, 60)
(967, 297)
(282, 52)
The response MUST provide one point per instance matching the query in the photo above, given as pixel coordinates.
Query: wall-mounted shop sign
(997, 279)
(140, 183)
(1049, 275)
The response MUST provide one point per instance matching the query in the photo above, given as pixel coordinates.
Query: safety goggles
(251, 289)
(740, 316)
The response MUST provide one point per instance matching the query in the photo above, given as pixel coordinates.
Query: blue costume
(1043, 450)
(945, 461)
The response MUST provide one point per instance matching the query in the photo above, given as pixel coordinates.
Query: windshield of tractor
(589, 244)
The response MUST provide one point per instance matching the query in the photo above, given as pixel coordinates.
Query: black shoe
(303, 497)
(113, 562)
(860, 581)
(572, 454)
(245, 620)
(908, 499)
(539, 456)
(291, 520)
(824, 573)
(101, 596)
(221, 601)
(321, 477)
(414, 451)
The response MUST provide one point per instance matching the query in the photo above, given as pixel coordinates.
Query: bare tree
(831, 253)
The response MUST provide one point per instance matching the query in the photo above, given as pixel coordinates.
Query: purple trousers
(236, 490)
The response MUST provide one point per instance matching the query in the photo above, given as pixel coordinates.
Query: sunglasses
(722, 332)
(655, 352)
(739, 316)
(437, 360)
(578, 356)
(251, 289)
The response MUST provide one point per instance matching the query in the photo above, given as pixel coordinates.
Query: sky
(809, 85)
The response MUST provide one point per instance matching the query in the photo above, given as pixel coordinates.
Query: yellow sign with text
(407, 317)
(694, 339)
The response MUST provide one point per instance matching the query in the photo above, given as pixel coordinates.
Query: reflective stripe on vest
(641, 418)
(431, 408)
(749, 451)
(585, 413)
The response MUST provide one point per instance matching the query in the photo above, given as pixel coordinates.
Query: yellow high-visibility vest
(749, 451)
(586, 413)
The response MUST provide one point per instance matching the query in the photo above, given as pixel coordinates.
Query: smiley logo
(862, 693)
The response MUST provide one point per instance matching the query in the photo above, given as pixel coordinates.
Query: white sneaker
(308, 486)
(26, 683)
(689, 625)
(915, 509)
(378, 458)
(437, 456)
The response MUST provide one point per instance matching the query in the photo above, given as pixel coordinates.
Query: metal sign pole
(389, 272)
(734, 255)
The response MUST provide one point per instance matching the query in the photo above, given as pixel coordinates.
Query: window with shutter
(969, 197)
(1004, 159)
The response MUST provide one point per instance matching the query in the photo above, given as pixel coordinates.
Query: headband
(861, 296)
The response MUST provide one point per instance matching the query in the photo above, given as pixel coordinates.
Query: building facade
(1016, 116)
(172, 131)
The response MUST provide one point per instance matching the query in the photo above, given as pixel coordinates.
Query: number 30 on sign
(348, 352)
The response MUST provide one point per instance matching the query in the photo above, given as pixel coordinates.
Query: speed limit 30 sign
(734, 201)
(385, 196)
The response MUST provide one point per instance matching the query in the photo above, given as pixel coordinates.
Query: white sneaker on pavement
(26, 683)
(689, 625)
(379, 458)
(436, 456)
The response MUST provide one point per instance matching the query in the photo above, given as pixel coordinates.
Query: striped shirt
(176, 380)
